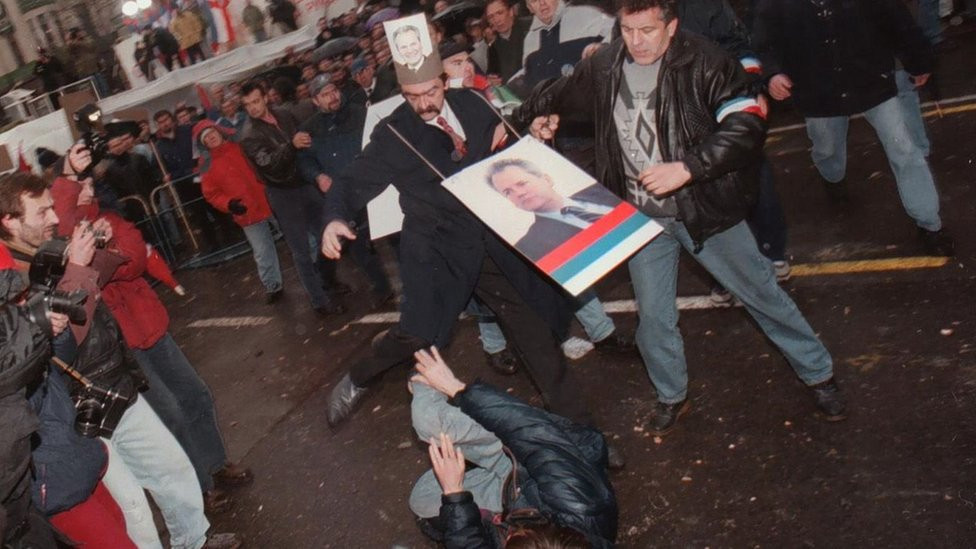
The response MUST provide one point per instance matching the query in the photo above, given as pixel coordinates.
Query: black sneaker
(615, 344)
(937, 243)
(503, 362)
(666, 416)
(836, 191)
(830, 401)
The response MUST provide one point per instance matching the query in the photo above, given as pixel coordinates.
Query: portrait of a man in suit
(408, 45)
(557, 217)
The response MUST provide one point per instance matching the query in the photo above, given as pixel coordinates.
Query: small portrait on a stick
(410, 44)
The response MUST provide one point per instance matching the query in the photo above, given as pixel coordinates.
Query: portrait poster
(555, 214)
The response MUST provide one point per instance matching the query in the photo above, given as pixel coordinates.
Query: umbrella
(453, 18)
(334, 47)
(385, 14)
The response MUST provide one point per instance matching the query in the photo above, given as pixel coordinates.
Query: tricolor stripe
(751, 65)
(569, 249)
(739, 104)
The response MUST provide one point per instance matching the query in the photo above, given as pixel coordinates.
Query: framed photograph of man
(410, 43)
(553, 213)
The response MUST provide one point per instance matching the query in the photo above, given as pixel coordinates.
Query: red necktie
(460, 149)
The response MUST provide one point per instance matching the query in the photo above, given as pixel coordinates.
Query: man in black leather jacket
(679, 134)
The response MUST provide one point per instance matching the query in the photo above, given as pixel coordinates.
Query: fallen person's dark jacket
(561, 472)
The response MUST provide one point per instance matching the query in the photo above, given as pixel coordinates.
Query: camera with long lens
(88, 119)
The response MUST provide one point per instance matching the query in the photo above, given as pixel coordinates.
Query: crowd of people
(664, 102)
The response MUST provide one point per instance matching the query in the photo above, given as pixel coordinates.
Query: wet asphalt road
(751, 465)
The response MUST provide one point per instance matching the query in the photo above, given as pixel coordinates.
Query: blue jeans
(905, 156)
(300, 212)
(595, 322)
(431, 415)
(734, 259)
(184, 404)
(261, 239)
(929, 21)
(158, 464)
(912, 105)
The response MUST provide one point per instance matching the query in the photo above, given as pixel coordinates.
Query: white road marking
(231, 322)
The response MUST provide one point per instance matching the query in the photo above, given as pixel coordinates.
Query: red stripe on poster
(569, 249)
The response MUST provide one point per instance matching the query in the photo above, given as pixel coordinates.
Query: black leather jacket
(270, 150)
(698, 81)
(560, 473)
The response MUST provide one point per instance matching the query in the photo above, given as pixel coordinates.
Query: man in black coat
(446, 253)
(557, 218)
(505, 53)
(837, 59)
(271, 141)
(553, 469)
(679, 134)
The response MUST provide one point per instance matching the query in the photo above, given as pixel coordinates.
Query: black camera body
(98, 411)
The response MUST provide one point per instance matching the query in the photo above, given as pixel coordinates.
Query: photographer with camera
(67, 467)
(176, 392)
(24, 353)
(105, 378)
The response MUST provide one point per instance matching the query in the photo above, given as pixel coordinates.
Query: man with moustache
(446, 253)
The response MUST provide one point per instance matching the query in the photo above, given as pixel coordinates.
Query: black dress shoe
(503, 362)
(830, 400)
(224, 541)
(343, 400)
(615, 459)
(937, 243)
(615, 344)
(330, 309)
(666, 415)
(233, 475)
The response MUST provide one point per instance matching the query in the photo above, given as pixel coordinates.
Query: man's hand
(435, 372)
(448, 463)
(81, 249)
(763, 104)
(591, 49)
(59, 322)
(780, 87)
(302, 140)
(544, 127)
(920, 79)
(662, 179)
(332, 239)
(324, 182)
(79, 158)
(500, 137)
(102, 225)
(495, 80)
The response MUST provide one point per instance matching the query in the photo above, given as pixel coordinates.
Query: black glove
(236, 207)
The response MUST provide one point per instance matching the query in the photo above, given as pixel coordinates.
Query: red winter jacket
(134, 304)
(230, 176)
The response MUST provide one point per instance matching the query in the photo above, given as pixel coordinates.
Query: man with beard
(337, 131)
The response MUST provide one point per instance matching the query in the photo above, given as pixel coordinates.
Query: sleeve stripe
(751, 65)
(739, 104)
